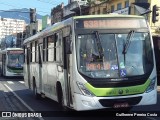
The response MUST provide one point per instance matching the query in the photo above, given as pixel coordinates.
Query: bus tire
(60, 98)
(37, 96)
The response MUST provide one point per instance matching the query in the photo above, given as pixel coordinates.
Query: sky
(43, 7)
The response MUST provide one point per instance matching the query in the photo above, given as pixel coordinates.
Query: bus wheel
(61, 99)
(37, 96)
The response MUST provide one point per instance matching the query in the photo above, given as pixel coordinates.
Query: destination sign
(111, 23)
(15, 51)
(97, 66)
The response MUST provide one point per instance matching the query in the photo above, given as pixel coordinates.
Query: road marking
(22, 100)
(21, 82)
(10, 82)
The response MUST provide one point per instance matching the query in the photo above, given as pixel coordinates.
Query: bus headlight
(151, 85)
(84, 90)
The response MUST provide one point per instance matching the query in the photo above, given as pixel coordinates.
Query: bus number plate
(121, 105)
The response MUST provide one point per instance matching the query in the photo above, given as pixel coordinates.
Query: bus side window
(44, 49)
(67, 37)
(25, 53)
(50, 48)
(36, 51)
(33, 51)
(30, 52)
(58, 47)
(55, 41)
(28, 55)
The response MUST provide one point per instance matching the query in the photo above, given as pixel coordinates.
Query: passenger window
(59, 47)
(44, 49)
(33, 52)
(50, 48)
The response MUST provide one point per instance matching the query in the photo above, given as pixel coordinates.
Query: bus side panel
(32, 74)
(52, 79)
(36, 76)
(25, 75)
(45, 88)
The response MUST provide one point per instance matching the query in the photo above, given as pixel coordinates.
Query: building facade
(33, 28)
(128, 7)
(11, 26)
(46, 21)
(57, 13)
(9, 41)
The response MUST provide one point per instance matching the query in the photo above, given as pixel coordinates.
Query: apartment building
(132, 7)
(11, 26)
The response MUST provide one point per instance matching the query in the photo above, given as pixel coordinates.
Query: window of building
(98, 12)
(119, 6)
(127, 3)
(112, 8)
(104, 10)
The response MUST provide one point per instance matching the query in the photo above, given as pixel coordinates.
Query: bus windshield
(115, 63)
(15, 60)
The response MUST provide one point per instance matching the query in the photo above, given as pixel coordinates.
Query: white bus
(11, 62)
(93, 62)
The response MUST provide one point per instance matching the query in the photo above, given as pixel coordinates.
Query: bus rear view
(115, 62)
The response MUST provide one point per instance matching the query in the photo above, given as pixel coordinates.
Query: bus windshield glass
(112, 62)
(15, 59)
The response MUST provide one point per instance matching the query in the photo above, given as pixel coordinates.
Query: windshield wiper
(128, 41)
(98, 41)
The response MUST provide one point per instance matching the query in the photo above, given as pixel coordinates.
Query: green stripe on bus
(14, 71)
(131, 90)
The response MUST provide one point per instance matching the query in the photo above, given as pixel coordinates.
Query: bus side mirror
(68, 45)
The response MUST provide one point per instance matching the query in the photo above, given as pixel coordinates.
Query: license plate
(121, 105)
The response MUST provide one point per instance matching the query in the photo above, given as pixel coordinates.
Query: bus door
(67, 70)
(40, 47)
(28, 66)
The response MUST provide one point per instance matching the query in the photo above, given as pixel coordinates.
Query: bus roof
(7, 49)
(112, 15)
